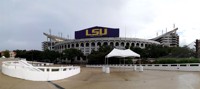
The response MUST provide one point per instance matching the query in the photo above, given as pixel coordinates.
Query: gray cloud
(22, 22)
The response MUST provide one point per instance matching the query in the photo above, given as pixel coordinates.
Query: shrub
(176, 60)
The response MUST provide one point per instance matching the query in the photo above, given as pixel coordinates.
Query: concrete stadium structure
(170, 39)
(86, 45)
(92, 38)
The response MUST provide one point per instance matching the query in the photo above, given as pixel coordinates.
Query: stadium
(92, 38)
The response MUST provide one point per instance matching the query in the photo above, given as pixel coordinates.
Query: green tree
(72, 53)
(139, 51)
(97, 57)
(20, 53)
(6, 53)
(155, 51)
(50, 56)
(34, 55)
(181, 52)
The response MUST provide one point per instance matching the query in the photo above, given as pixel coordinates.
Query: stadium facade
(92, 38)
(170, 39)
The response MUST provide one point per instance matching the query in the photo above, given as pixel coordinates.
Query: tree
(97, 57)
(6, 53)
(181, 52)
(36, 55)
(20, 53)
(50, 56)
(72, 53)
(139, 51)
(156, 51)
(152, 51)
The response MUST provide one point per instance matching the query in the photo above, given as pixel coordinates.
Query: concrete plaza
(94, 78)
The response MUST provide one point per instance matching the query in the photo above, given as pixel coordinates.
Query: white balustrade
(25, 71)
(177, 67)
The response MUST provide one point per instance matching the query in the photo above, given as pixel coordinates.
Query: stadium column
(60, 48)
(95, 46)
(90, 47)
(79, 46)
(84, 45)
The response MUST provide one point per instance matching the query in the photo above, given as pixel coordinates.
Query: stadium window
(99, 44)
(122, 44)
(77, 45)
(111, 43)
(127, 44)
(72, 45)
(137, 44)
(145, 45)
(142, 44)
(82, 44)
(93, 44)
(68, 45)
(105, 43)
(116, 44)
(87, 44)
(132, 44)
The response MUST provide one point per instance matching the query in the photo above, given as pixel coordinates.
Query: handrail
(21, 64)
(20, 70)
(179, 67)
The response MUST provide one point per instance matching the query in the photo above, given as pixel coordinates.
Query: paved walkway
(93, 78)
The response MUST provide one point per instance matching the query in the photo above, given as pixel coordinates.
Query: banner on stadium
(96, 32)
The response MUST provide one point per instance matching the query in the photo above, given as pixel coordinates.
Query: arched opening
(117, 44)
(77, 45)
(122, 44)
(137, 44)
(68, 45)
(87, 44)
(65, 46)
(127, 44)
(82, 44)
(111, 44)
(132, 44)
(72, 45)
(105, 43)
(142, 44)
(99, 44)
(92, 44)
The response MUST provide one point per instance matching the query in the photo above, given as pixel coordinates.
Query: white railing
(177, 67)
(40, 63)
(15, 69)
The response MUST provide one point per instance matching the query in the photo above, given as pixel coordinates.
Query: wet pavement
(94, 78)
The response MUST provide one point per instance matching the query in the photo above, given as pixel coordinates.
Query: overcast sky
(22, 22)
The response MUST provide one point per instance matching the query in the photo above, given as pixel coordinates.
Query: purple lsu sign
(96, 32)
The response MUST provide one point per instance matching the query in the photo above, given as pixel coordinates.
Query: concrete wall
(46, 73)
(176, 67)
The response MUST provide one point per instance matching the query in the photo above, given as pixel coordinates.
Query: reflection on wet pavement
(189, 81)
